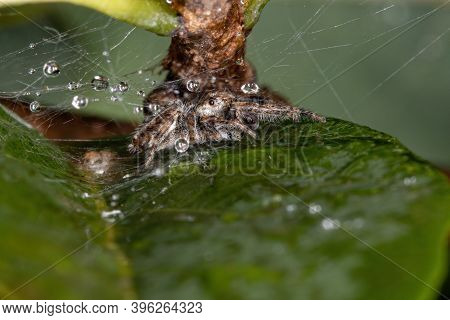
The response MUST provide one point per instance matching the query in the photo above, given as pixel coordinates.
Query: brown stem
(56, 124)
(209, 43)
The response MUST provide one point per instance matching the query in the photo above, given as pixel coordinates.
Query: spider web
(379, 63)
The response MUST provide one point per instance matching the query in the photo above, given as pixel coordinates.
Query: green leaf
(44, 219)
(253, 11)
(330, 210)
(153, 15)
(251, 228)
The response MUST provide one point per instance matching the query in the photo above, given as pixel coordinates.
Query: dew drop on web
(73, 86)
(115, 98)
(123, 87)
(330, 224)
(193, 85)
(51, 69)
(35, 106)
(112, 216)
(80, 102)
(152, 109)
(99, 83)
(315, 208)
(181, 145)
(250, 88)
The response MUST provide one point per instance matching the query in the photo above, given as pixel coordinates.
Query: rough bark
(209, 45)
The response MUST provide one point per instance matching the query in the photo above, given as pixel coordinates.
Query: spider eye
(146, 110)
(211, 102)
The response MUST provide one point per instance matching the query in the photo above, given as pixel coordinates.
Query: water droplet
(112, 216)
(35, 106)
(127, 176)
(85, 195)
(31, 71)
(115, 197)
(330, 224)
(100, 83)
(79, 102)
(140, 71)
(409, 181)
(151, 109)
(291, 208)
(115, 98)
(51, 69)
(32, 45)
(193, 85)
(113, 89)
(141, 93)
(105, 53)
(181, 145)
(169, 1)
(153, 83)
(240, 61)
(38, 93)
(73, 86)
(158, 172)
(315, 208)
(138, 110)
(250, 88)
(123, 87)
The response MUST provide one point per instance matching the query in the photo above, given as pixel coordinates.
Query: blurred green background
(384, 64)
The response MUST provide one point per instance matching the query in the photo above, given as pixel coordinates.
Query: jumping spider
(211, 116)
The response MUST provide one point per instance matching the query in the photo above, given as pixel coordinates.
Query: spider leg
(271, 110)
(148, 137)
(229, 129)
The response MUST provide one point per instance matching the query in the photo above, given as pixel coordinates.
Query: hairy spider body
(209, 94)
(212, 116)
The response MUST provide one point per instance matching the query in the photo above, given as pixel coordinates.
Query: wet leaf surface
(329, 210)
(44, 218)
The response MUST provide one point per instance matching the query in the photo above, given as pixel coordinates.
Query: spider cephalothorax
(211, 116)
